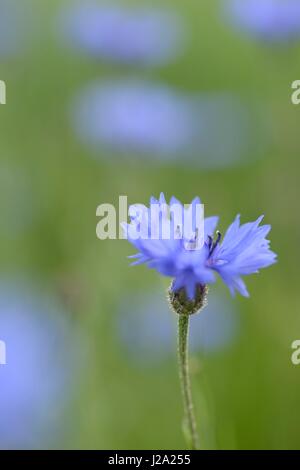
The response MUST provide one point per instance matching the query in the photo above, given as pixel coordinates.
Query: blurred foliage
(247, 396)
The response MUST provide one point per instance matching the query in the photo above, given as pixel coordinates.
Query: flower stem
(190, 428)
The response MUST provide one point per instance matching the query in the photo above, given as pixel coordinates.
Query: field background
(247, 393)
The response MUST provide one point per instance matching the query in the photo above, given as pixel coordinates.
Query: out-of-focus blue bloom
(133, 116)
(37, 377)
(243, 251)
(153, 121)
(140, 35)
(269, 20)
(146, 327)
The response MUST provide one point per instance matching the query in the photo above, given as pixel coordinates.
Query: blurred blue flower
(133, 116)
(243, 251)
(156, 122)
(146, 327)
(140, 35)
(268, 20)
(40, 362)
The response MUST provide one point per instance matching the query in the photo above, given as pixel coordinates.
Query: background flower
(154, 122)
(110, 31)
(37, 380)
(133, 116)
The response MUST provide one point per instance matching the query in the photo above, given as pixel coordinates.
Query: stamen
(214, 245)
(219, 236)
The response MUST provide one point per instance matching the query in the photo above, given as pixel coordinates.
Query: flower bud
(182, 305)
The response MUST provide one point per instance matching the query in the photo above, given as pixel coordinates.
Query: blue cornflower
(269, 20)
(181, 245)
(133, 116)
(136, 118)
(42, 351)
(244, 250)
(111, 31)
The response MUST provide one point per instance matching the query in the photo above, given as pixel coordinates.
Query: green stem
(189, 414)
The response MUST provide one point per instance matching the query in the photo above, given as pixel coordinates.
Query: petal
(190, 287)
(210, 225)
(178, 283)
(232, 230)
(205, 276)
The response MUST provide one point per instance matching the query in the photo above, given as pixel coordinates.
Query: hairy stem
(190, 427)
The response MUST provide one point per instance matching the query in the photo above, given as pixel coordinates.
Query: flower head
(193, 263)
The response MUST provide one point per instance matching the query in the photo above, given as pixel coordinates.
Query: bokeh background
(106, 99)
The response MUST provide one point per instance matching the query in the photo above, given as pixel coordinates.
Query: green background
(246, 396)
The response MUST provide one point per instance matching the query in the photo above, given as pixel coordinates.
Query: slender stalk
(190, 427)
